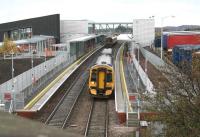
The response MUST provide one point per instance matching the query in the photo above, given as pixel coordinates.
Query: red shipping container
(174, 40)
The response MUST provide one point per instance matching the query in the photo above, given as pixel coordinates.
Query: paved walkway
(119, 97)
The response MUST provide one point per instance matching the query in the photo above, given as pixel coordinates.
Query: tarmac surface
(15, 126)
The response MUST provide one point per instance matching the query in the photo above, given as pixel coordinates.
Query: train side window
(93, 77)
(109, 77)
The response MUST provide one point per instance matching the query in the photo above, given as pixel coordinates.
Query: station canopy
(124, 37)
(60, 45)
(33, 39)
(84, 38)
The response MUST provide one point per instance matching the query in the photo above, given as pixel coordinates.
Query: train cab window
(94, 77)
(109, 77)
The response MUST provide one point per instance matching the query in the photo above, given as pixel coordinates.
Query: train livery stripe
(44, 91)
(101, 79)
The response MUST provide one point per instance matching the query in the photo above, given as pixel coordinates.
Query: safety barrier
(155, 60)
(23, 86)
(143, 76)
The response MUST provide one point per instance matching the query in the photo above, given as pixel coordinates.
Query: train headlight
(108, 92)
(93, 91)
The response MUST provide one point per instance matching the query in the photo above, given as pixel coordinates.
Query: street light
(145, 66)
(12, 96)
(12, 67)
(136, 43)
(32, 70)
(138, 63)
(161, 33)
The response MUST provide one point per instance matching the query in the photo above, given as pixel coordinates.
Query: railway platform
(127, 85)
(38, 102)
(122, 104)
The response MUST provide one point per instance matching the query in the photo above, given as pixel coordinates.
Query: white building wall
(144, 31)
(70, 29)
(73, 26)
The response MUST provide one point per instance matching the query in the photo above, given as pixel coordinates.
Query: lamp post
(12, 68)
(133, 41)
(146, 61)
(138, 64)
(12, 95)
(161, 33)
(32, 70)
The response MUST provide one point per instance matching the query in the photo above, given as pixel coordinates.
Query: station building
(24, 29)
(41, 33)
(47, 36)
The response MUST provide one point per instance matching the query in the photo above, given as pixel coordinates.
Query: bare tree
(178, 104)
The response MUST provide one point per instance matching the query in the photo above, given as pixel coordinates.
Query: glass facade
(22, 33)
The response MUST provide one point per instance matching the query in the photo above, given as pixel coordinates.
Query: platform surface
(43, 100)
(119, 97)
(43, 97)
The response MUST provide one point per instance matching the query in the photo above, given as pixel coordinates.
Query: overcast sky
(186, 12)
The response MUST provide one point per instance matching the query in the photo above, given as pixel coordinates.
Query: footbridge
(112, 27)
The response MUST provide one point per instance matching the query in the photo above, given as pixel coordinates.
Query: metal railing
(155, 60)
(26, 84)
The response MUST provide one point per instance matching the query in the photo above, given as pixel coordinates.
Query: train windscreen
(94, 77)
(109, 77)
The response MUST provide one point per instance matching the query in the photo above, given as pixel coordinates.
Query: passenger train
(101, 79)
(110, 41)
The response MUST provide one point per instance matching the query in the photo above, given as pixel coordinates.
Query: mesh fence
(23, 86)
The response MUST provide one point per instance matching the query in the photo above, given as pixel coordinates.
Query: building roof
(33, 39)
(60, 45)
(84, 38)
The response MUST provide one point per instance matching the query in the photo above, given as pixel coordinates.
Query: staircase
(132, 120)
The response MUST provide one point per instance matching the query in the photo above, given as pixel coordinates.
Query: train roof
(107, 51)
(111, 37)
(104, 60)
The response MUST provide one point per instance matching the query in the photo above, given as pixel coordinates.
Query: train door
(101, 79)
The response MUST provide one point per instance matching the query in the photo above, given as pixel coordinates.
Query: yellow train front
(101, 79)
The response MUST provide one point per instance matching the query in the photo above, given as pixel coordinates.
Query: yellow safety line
(44, 91)
(124, 86)
(41, 94)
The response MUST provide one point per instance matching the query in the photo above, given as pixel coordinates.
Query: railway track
(64, 108)
(44, 114)
(65, 114)
(97, 125)
(62, 111)
(98, 120)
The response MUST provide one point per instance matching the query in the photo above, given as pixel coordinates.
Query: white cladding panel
(144, 31)
(74, 27)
